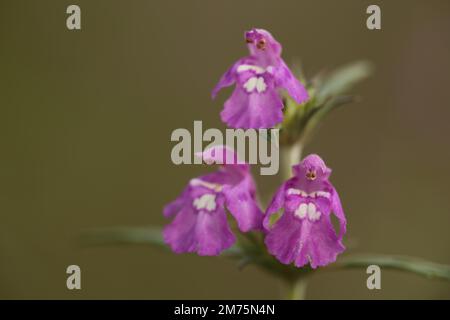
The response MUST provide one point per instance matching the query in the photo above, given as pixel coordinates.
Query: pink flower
(256, 102)
(200, 221)
(304, 233)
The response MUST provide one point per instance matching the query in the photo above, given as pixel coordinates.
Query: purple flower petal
(180, 234)
(229, 77)
(255, 102)
(275, 205)
(283, 240)
(252, 110)
(336, 208)
(286, 80)
(213, 233)
(320, 245)
(302, 241)
(240, 201)
(205, 232)
(222, 155)
(200, 223)
(304, 233)
(175, 206)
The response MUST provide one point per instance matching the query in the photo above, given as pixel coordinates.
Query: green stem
(297, 289)
(290, 155)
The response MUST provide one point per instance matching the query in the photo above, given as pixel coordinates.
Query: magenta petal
(275, 205)
(282, 240)
(200, 222)
(315, 162)
(261, 74)
(336, 208)
(228, 78)
(213, 233)
(206, 233)
(286, 80)
(320, 245)
(180, 233)
(304, 234)
(175, 206)
(303, 241)
(241, 202)
(222, 155)
(252, 110)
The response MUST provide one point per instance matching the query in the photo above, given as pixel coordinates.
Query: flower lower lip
(255, 84)
(309, 209)
(205, 202)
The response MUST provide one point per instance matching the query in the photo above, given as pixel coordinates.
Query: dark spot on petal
(261, 44)
(311, 175)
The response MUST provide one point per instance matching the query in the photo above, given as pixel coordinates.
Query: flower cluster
(297, 224)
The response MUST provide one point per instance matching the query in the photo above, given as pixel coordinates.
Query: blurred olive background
(86, 118)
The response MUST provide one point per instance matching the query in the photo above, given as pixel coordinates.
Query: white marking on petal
(209, 185)
(246, 67)
(255, 83)
(211, 204)
(293, 191)
(302, 193)
(323, 194)
(314, 216)
(311, 209)
(206, 201)
(198, 203)
(250, 84)
(261, 85)
(301, 210)
(270, 69)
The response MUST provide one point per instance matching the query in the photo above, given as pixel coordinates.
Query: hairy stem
(297, 289)
(290, 155)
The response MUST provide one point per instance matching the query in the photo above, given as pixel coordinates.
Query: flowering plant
(294, 236)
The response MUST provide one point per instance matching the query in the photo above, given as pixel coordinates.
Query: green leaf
(147, 236)
(256, 254)
(409, 264)
(318, 114)
(326, 93)
(342, 79)
(124, 236)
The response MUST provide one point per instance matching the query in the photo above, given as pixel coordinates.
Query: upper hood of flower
(224, 156)
(262, 44)
(312, 168)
